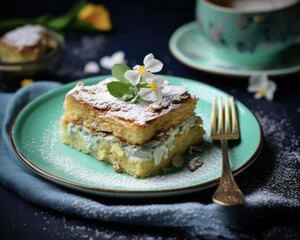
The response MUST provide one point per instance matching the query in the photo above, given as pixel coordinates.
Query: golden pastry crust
(94, 108)
(140, 139)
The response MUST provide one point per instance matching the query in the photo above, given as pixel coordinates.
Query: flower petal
(95, 15)
(269, 95)
(149, 80)
(159, 94)
(262, 86)
(159, 81)
(154, 66)
(147, 58)
(256, 82)
(106, 62)
(26, 82)
(91, 67)
(133, 76)
(146, 94)
(271, 88)
(151, 96)
(118, 57)
(252, 89)
(257, 96)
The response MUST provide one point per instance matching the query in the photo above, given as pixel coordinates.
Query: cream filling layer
(154, 149)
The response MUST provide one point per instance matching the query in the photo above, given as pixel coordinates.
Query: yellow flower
(151, 65)
(153, 93)
(96, 15)
(26, 82)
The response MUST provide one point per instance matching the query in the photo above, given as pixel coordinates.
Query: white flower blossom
(262, 86)
(153, 93)
(108, 61)
(151, 65)
(91, 67)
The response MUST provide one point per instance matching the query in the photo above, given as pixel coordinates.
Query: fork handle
(227, 193)
(226, 169)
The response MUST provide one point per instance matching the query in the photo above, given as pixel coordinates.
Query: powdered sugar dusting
(56, 227)
(82, 50)
(98, 97)
(70, 163)
(281, 164)
(25, 36)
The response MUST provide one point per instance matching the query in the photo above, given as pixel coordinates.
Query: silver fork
(227, 193)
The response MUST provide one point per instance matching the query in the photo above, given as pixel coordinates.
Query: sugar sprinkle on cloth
(271, 186)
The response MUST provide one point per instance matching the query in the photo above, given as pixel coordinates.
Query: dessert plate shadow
(35, 136)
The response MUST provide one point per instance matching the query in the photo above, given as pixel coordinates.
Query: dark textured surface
(141, 27)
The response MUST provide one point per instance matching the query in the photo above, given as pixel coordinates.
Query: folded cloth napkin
(270, 197)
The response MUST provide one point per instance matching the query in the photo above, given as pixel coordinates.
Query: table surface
(139, 27)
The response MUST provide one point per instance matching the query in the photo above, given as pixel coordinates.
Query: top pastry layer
(135, 123)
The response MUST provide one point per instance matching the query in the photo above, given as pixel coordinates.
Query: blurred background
(138, 28)
(132, 22)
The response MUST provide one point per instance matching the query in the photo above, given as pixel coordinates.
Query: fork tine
(227, 117)
(220, 117)
(235, 122)
(214, 116)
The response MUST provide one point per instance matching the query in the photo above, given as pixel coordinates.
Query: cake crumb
(117, 167)
(193, 149)
(195, 163)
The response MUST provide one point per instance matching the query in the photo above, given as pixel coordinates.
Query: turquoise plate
(35, 137)
(189, 47)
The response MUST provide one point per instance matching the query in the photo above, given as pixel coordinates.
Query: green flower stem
(56, 23)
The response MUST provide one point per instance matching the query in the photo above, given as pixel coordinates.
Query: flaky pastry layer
(94, 108)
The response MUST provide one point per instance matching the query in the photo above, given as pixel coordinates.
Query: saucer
(191, 48)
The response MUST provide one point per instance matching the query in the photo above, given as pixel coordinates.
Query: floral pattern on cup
(261, 19)
(200, 23)
(246, 47)
(252, 37)
(244, 22)
(216, 34)
(273, 36)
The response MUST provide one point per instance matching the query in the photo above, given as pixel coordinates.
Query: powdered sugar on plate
(51, 156)
(70, 162)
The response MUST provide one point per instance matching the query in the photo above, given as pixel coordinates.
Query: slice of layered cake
(136, 136)
(25, 43)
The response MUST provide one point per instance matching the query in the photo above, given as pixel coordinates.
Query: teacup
(250, 32)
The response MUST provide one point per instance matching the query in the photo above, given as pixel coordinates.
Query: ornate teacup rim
(232, 10)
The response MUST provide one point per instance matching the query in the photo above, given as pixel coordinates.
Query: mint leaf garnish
(140, 82)
(118, 71)
(119, 89)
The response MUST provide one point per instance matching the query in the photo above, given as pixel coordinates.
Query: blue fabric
(264, 202)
